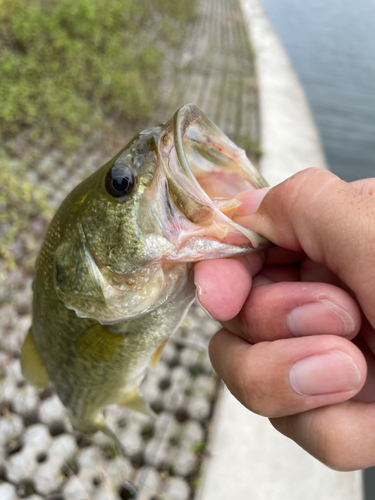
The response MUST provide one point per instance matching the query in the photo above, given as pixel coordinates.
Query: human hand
(295, 342)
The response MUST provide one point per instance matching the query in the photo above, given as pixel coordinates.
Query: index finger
(224, 284)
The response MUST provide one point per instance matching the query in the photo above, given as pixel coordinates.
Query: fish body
(114, 275)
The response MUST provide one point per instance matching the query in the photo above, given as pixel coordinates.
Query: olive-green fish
(114, 274)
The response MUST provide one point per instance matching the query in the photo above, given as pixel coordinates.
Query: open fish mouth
(205, 171)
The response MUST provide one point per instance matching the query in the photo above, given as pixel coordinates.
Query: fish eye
(119, 181)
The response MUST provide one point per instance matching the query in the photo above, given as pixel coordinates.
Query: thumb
(332, 221)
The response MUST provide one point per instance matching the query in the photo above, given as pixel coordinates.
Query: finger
(285, 310)
(331, 220)
(250, 201)
(341, 436)
(277, 256)
(366, 343)
(366, 186)
(224, 284)
(275, 274)
(313, 272)
(288, 376)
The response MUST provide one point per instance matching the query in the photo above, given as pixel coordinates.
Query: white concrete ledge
(250, 460)
(289, 138)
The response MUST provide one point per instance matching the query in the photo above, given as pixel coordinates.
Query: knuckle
(311, 432)
(299, 182)
(333, 457)
(331, 447)
(256, 400)
(308, 182)
(251, 385)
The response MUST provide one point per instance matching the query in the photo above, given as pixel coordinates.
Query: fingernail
(324, 374)
(322, 316)
(251, 201)
(198, 295)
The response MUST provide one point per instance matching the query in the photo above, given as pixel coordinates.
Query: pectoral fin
(97, 344)
(156, 356)
(135, 402)
(32, 366)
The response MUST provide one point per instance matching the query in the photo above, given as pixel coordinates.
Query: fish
(114, 276)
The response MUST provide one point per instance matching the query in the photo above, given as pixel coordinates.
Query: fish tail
(103, 426)
(94, 425)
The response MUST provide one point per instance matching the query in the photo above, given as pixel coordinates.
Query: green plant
(68, 66)
(199, 447)
(196, 370)
(109, 450)
(20, 202)
(148, 431)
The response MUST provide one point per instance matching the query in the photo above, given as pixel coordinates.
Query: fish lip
(184, 118)
(175, 164)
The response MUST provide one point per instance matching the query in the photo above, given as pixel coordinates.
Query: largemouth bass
(114, 274)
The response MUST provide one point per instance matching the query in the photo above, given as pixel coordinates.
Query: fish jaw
(201, 172)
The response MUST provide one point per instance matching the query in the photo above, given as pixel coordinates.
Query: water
(332, 47)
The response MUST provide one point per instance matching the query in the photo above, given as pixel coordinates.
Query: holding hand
(298, 341)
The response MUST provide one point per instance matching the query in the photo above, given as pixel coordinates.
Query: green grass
(199, 447)
(148, 431)
(20, 203)
(67, 66)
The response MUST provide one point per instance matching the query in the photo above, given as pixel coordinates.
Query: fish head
(136, 225)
